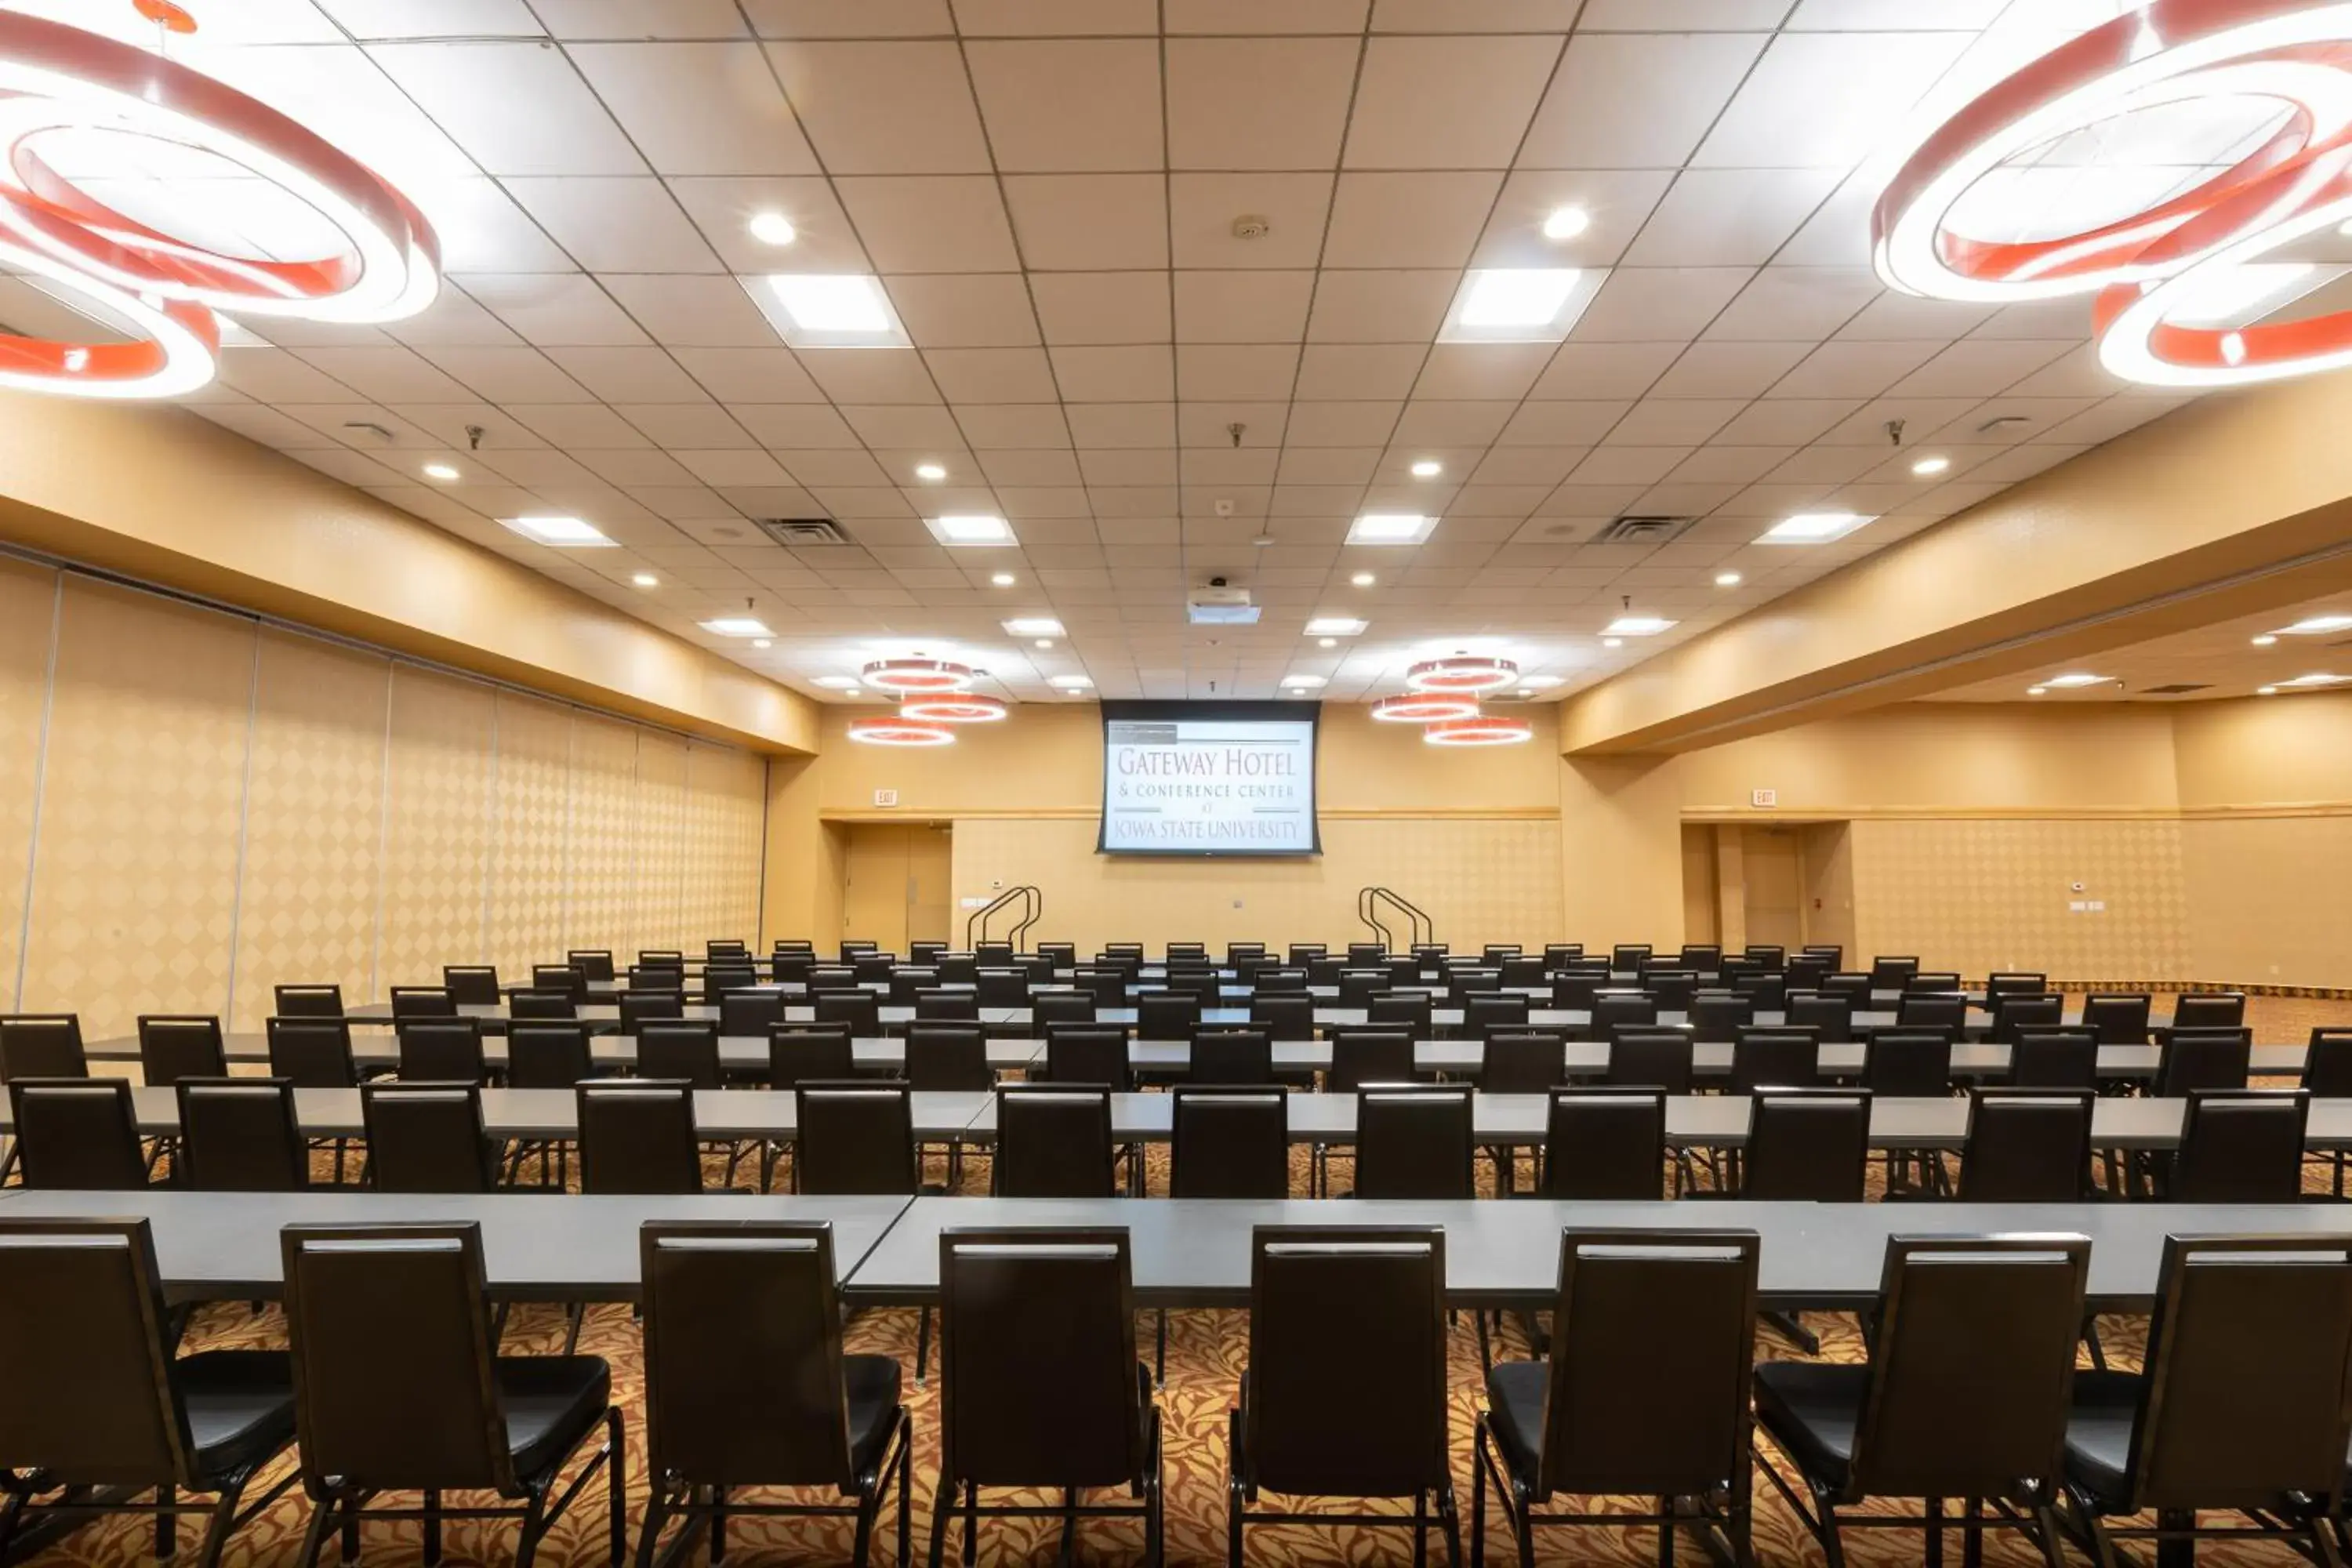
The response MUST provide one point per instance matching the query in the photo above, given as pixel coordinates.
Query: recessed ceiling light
(1327, 642)
(1540, 680)
(1566, 222)
(1928, 468)
(1728, 579)
(1072, 683)
(837, 682)
(1613, 642)
(931, 471)
(1033, 627)
(2037, 691)
(1638, 626)
(439, 471)
(561, 530)
(1042, 642)
(1517, 296)
(1527, 692)
(762, 642)
(2273, 690)
(1813, 527)
(1390, 528)
(1002, 579)
(1427, 468)
(2265, 639)
(2079, 677)
(970, 529)
(1334, 626)
(1303, 683)
(1363, 579)
(821, 309)
(773, 228)
(645, 580)
(2313, 626)
(737, 626)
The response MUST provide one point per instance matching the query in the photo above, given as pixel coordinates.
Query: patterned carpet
(1205, 1356)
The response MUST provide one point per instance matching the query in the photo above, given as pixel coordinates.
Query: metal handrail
(1033, 907)
(1418, 928)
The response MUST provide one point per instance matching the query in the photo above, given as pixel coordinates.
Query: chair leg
(1486, 1349)
(217, 1527)
(906, 1496)
(534, 1524)
(351, 1530)
(718, 1526)
(2045, 1536)
(861, 1550)
(1421, 1529)
(575, 1315)
(431, 1529)
(971, 1523)
(2091, 1342)
(922, 1340)
(1971, 1538)
(942, 1505)
(167, 1525)
(314, 1537)
(1934, 1550)
(617, 1478)
(1787, 1324)
(1449, 1522)
(1478, 1492)
(657, 1515)
(1833, 1539)
(1160, 1350)
(1666, 1532)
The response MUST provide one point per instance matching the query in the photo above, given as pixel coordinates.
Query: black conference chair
(2208, 1425)
(908, 980)
(2117, 1017)
(315, 1053)
(854, 1139)
(1932, 1010)
(1048, 1008)
(2030, 982)
(1889, 972)
(955, 1006)
(308, 1001)
(2327, 1075)
(751, 1013)
(1108, 986)
(679, 1048)
(1053, 1140)
(42, 1045)
(1285, 1017)
(1229, 1143)
(747, 1384)
(1522, 1061)
(2241, 1146)
(637, 1136)
(858, 1009)
(174, 1047)
(554, 1006)
(565, 979)
(1485, 1015)
(1414, 1140)
(1344, 1393)
(2017, 1011)
(1229, 1056)
(442, 1051)
(595, 963)
(1407, 1010)
(639, 1008)
(1674, 990)
(1088, 1053)
(1363, 1055)
(546, 1056)
(995, 988)
(423, 1001)
(427, 1137)
(239, 1135)
(663, 981)
(1613, 1010)
(386, 1318)
(1645, 1393)
(1805, 1146)
(1721, 1014)
(1605, 1145)
(76, 1134)
(804, 1053)
(475, 984)
(1830, 1018)
(948, 1057)
(2027, 1146)
(2210, 1010)
(1060, 954)
(1907, 1061)
(1521, 973)
(2053, 1058)
(1578, 986)
(2191, 1059)
(100, 1408)
(1166, 1016)
(1984, 1325)
(1627, 957)
(1651, 1058)
(1023, 1311)
(1774, 1058)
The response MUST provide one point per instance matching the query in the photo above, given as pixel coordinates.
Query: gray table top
(535, 1246)
(1196, 1251)
(737, 1053)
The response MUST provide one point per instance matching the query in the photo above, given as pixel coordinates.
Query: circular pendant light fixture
(918, 675)
(952, 708)
(2180, 256)
(1424, 708)
(1462, 673)
(1481, 732)
(895, 731)
(55, 79)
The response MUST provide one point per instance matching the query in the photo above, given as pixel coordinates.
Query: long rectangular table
(611, 1053)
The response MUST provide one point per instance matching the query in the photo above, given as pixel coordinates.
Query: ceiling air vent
(1637, 530)
(802, 531)
(2177, 689)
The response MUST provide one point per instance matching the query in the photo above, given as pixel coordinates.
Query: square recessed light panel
(1519, 304)
(827, 310)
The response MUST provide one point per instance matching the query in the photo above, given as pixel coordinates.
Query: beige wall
(194, 807)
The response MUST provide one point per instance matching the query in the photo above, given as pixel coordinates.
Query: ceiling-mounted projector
(1218, 606)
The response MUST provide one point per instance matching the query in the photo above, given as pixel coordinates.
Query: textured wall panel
(531, 801)
(439, 828)
(726, 796)
(27, 619)
(658, 909)
(602, 853)
(308, 901)
(134, 887)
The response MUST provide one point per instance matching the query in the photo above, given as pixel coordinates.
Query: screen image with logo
(1209, 778)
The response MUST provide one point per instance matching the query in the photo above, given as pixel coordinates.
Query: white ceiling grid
(1048, 190)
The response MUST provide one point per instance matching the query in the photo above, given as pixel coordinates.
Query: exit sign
(885, 798)
(1763, 799)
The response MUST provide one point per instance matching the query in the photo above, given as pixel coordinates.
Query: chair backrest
(853, 1138)
(637, 1135)
(1368, 1055)
(308, 1001)
(1060, 954)
(42, 1045)
(312, 1053)
(858, 1009)
(1627, 957)
(1346, 1360)
(1403, 969)
(423, 1001)
(2117, 1017)
(427, 1137)
(1464, 982)
(2027, 1146)
(745, 1377)
(1719, 1015)
(85, 1356)
(2053, 1058)
(1053, 1140)
(1558, 953)
(1088, 1053)
(1107, 985)
(1022, 1311)
(657, 979)
(1766, 991)
(553, 1005)
(1522, 971)
(679, 1048)
(1050, 1007)
(2210, 1010)
(442, 1051)
(2241, 1146)
(77, 1134)
(1651, 1058)
(1186, 952)
(1811, 1146)
(1415, 1142)
(595, 963)
(1285, 1017)
(867, 966)
(1605, 1145)
(1671, 989)
(1613, 1009)
(674, 958)
(1229, 1143)
(172, 1049)
(1806, 971)
(956, 969)
(1652, 1336)
(1166, 1016)
(1788, 1057)
(2017, 1010)
(996, 952)
(751, 1013)
(2327, 1064)
(1231, 1056)
(1932, 1010)
(1523, 1061)
(239, 1135)
(639, 1007)
(949, 1055)
(1483, 1016)
(2218, 1426)
(564, 979)
(393, 1381)
(1411, 1009)
(722, 980)
(1831, 1017)
(908, 980)
(1888, 973)
(959, 1006)
(474, 983)
(1984, 1324)
(548, 1056)
(1907, 1061)
(804, 1053)
(1940, 982)
(2191, 1059)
